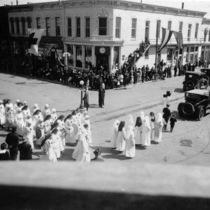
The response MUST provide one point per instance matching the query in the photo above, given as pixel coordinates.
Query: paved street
(187, 145)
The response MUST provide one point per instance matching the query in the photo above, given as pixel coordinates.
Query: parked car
(206, 71)
(195, 80)
(196, 103)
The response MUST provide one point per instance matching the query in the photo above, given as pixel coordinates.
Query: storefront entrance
(102, 58)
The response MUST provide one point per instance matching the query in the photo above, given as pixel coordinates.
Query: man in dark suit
(166, 116)
(12, 140)
(25, 150)
(101, 94)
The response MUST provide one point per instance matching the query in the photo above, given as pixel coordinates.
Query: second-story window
(69, 27)
(169, 25)
(133, 29)
(180, 27)
(38, 23)
(12, 25)
(23, 25)
(78, 30)
(87, 27)
(147, 25)
(17, 25)
(196, 30)
(189, 32)
(57, 26)
(47, 26)
(158, 29)
(29, 22)
(118, 27)
(102, 26)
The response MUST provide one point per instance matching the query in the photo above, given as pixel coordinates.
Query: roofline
(118, 2)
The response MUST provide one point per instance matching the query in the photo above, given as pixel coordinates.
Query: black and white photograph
(104, 104)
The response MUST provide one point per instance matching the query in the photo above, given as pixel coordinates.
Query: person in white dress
(115, 133)
(130, 121)
(19, 122)
(87, 121)
(35, 107)
(121, 137)
(54, 115)
(2, 114)
(158, 128)
(130, 149)
(138, 131)
(82, 151)
(28, 132)
(147, 132)
(152, 125)
(46, 110)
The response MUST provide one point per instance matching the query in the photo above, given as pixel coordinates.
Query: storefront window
(192, 49)
(70, 58)
(79, 56)
(88, 57)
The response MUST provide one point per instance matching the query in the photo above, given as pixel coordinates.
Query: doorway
(102, 60)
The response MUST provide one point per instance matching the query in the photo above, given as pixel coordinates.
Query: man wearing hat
(12, 140)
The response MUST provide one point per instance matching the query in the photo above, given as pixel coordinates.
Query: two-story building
(104, 33)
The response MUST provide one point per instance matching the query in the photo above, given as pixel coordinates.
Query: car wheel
(180, 106)
(200, 113)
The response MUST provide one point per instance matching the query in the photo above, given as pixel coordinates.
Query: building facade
(104, 33)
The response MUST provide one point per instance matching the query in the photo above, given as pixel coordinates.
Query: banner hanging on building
(34, 39)
(179, 39)
(166, 35)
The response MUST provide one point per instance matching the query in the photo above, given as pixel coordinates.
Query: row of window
(16, 21)
(102, 27)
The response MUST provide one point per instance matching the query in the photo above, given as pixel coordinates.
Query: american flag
(47, 50)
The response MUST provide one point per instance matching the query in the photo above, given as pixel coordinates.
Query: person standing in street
(86, 98)
(101, 94)
(166, 116)
(12, 141)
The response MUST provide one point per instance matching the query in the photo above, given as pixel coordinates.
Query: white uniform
(121, 140)
(147, 132)
(130, 149)
(158, 128)
(115, 133)
(2, 114)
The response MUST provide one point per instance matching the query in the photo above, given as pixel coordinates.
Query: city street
(187, 145)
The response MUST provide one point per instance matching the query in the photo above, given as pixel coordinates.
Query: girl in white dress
(115, 133)
(147, 132)
(121, 138)
(130, 149)
(158, 128)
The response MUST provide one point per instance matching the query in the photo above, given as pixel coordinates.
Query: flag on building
(47, 50)
(179, 39)
(166, 35)
(34, 39)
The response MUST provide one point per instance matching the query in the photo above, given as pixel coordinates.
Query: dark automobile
(195, 80)
(196, 103)
(206, 71)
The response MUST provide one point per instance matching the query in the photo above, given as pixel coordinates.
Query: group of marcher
(127, 135)
(46, 130)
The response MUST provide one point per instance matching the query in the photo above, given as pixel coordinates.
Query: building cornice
(119, 4)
